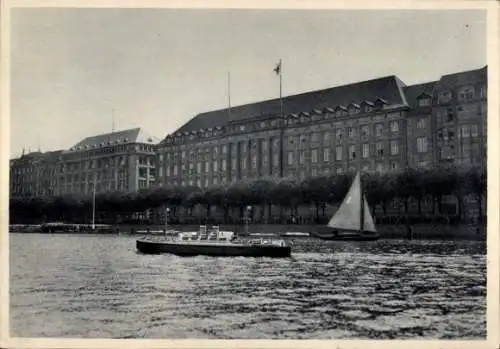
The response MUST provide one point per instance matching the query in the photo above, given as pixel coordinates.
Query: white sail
(347, 216)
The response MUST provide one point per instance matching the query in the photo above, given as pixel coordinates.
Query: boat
(295, 234)
(214, 243)
(353, 219)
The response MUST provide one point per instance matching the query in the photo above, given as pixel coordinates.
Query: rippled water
(98, 286)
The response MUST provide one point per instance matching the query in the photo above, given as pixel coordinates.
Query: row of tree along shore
(418, 195)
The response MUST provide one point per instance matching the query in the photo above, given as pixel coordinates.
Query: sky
(81, 72)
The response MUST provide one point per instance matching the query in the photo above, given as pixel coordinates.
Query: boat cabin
(214, 234)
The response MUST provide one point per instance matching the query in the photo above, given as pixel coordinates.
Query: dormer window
(466, 93)
(424, 100)
(444, 97)
(380, 102)
(353, 109)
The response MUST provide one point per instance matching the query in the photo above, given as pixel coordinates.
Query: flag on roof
(278, 68)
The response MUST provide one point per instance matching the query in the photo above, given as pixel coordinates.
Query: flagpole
(282, 128)
(281, 88)
(229, 92)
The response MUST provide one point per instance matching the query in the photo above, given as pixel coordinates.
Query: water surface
(99, 287)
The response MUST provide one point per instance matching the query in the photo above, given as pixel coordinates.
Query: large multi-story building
(376, 125)
(117, 161)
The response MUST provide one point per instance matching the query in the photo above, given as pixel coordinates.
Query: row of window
(464, 94)
(422, 147)
(314, 137)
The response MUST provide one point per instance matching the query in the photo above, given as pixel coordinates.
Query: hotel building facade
(117, 161)
(376, 125)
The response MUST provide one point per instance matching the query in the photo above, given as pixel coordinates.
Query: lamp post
(167, 211)
(247, 218)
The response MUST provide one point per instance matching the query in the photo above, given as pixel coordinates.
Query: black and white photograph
(250, 173)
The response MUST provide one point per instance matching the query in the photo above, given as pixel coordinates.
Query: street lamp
(167, 211)
(247, 218)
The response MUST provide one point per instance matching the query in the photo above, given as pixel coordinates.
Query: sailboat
(353, 219)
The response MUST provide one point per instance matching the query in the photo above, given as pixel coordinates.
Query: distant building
(376, 125)
(118, 161)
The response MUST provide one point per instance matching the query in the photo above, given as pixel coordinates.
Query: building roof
(450, 81)
(133, 135)
(414, 91)
(389, 88)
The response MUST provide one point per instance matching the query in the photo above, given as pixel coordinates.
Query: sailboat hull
(347, 236)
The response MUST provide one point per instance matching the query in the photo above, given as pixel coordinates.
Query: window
(254, 161)
(394, 166)
(206, 182)
(424, 102)
(450, 114)
(326, 155)
(338, 133)
(215, 166)
(395, 126)
(380, 168)
(421, 123)
(207, 167)
(214, 180)
(176, 170)
(224, 164)
(198, 183)
(444, 97)
(465, 131)
(366, 150)
(243, 163)
(224, 149)
(314, 156)
(198, 167)
(275, 159)
(183, 155)
(422, 144)
(167, 171)
(339, 170)
(290, 158)
(394, 147)
(352, 152)
(350, 131)
(421, 163)
(338, 153)
(365, 131)
(302, 157)
(380, 149)
(473, 130)
(216, 151)
(233, 164)
(466, 94)
(314, 137)
(379, 129)
(326, 136)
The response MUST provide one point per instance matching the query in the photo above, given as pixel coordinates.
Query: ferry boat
(214, 243)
